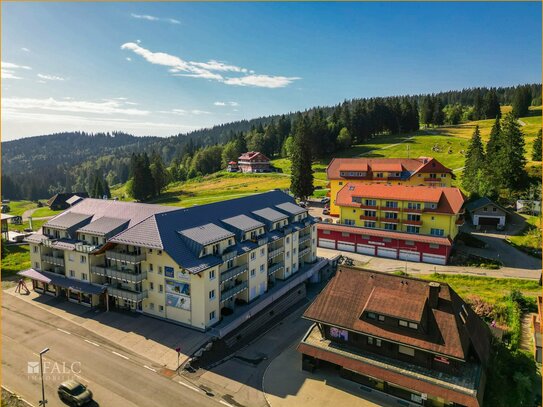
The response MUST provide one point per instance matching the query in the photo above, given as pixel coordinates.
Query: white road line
(118, 354)
(150, 368)
(62, 330)
(92, 343)
(81, 378)
(190, 387)
(225, 403)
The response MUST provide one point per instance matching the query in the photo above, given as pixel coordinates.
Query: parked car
(302, 204)
(74, 393)
(328, 220)
(326, 212)
(318, 218)
(325, 200)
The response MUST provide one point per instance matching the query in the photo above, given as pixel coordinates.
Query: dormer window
(371, 315)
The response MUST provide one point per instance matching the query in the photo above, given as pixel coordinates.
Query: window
(288, 255)
(211, 274)
(406, 350)
(36, 265)
(412, 229)
(494, 209)
(253, 255)
(349, 221)
(83, 260)
(262, 252)
(391, 204)
(151, 286)
(391, 215)
(374, 341)
(159, 252)
(70, 257)
(434, 246)
(160, 288)
(150, 252)
(413, 205)
(35, 249)
(371, 202)
(261, 268)
(294, 252)
(340, 183)
(160, 270)
(229, 242)
(253, 272)
(161, 308)
(288, 239)
(391, 226)
(212, 295)
(151, 267)
(485, 209)
(409, 243)
(437, 232)
(369, 224)
(72, 273)
(345, 234)
(152, 306)
(83, 276)
(412, 325)
(379, 175)
(212, 315)
(371, 315)
(381, 318)
(387, 239)
(402, 323)
(414, 217)
(325, 232)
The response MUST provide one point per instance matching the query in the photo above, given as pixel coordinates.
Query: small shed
(485, 212)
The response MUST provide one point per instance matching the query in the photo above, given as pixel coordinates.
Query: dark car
(74, 393)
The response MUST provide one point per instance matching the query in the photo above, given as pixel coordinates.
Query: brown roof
(445, 241)
(387, 302)
(451, 327)
(412, 165)
(448, 199)
(251, 155)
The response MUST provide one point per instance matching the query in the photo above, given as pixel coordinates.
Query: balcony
(303, 252)
(228, 255)
(127, 294)
(304, 238)
(275, 253)
(364, 206)
(413, 210)
(261, 241)
(124, 275)
(389, 209)
(235, 290)
(412, 222)
(236, 271)
(275, 267)
(364, 217)
(85, 247)
(129, 257)
(57, 261)
(389, 220)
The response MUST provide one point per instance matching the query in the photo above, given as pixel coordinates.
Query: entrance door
(262, 288)
(253, 293)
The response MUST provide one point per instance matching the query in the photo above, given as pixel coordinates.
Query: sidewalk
(148, 337)
(390, 265)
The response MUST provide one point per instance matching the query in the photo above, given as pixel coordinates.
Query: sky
(166, 68)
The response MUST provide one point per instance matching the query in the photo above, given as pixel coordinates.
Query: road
(115, 376)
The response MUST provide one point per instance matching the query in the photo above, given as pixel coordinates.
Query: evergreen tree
(158, 173)
(511, 158)
(536, 149)
(344, 138)
(301, 181)
(521, 101)
(142, 184)
(438, 117)
(493, 153)
(491, 105)
(478, 108)
(474, 162)
(427, 111)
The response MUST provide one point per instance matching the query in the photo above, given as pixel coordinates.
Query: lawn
(44, 211)
(17, 258)
(530, 238)
(16, 208)
(36, 224)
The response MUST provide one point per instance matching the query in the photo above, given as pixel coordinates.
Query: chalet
(411, 338)
(254, 161)
(59, 201)
(232, 166)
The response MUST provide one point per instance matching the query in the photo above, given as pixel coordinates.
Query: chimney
(433, 294)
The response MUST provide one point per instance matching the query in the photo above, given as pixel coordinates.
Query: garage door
(483, 220)
(365, 249)
(411, 256)
(348, 247)
(327, 243)
(434, 259)
(390, 253)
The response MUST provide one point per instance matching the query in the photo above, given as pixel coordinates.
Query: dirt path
(526, 335)
(28, 213)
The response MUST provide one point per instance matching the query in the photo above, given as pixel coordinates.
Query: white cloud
(25, 49)
(226, 103)
(50, 77)
(262, 81)
(153, 18)
(219, 104)
(10, 70)
(208, 70)
(128, 59)
(73, 106)
(183, 112)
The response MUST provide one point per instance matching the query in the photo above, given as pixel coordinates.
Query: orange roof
(449, 199)
(413, 165)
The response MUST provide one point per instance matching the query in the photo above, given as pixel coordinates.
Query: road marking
(62, 330)
(92, 343)
(190, 387)
(16, 394)
(81, 378)
(150, 368)
(225, 403)
(118, 354)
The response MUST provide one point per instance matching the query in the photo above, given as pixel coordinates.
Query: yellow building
(192, 266)
(435, 211)
(394, 171)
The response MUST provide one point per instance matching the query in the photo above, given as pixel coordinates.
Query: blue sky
(164, 68)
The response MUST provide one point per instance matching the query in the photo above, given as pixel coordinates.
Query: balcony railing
(364, 206)
(275, 267)
(262, 240)
(129, 257)
(364, 217)
(127, 294)
(413, 210)
(412, 222)
(228, 255)
(230, 292)
(275, 253)
(85, 248)
(303, 252)
(304, 238)
(57, 261)
(236, 271)
(125, 275)
(389, 209)
(389, 220)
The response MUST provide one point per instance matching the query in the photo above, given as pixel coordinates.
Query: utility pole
(43, 401)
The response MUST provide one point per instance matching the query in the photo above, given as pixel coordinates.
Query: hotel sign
(376, 243)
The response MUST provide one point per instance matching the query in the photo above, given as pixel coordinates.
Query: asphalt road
(115, 376)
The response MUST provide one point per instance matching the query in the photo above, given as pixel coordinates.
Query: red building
(384, 243)
(254, 161)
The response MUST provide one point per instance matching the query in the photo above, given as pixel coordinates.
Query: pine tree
(438, 116)
(159, 174)
(301, 181)
(493, 153)
(536, 149)
(492, 105)
(478, 109)
(521, 101)
(474, 162)
(511, 161)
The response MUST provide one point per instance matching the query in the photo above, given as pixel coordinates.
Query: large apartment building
(395, 171)
(192, 266)
(413, 339)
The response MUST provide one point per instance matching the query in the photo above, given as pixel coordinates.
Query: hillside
(223, 185)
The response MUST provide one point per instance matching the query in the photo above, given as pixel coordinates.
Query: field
(17, 208)
(43, 212)
(17, 258)
(530, 238)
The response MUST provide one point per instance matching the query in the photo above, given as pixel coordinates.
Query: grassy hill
(447, 143)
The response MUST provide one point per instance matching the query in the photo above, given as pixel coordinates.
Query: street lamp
(43, 401)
